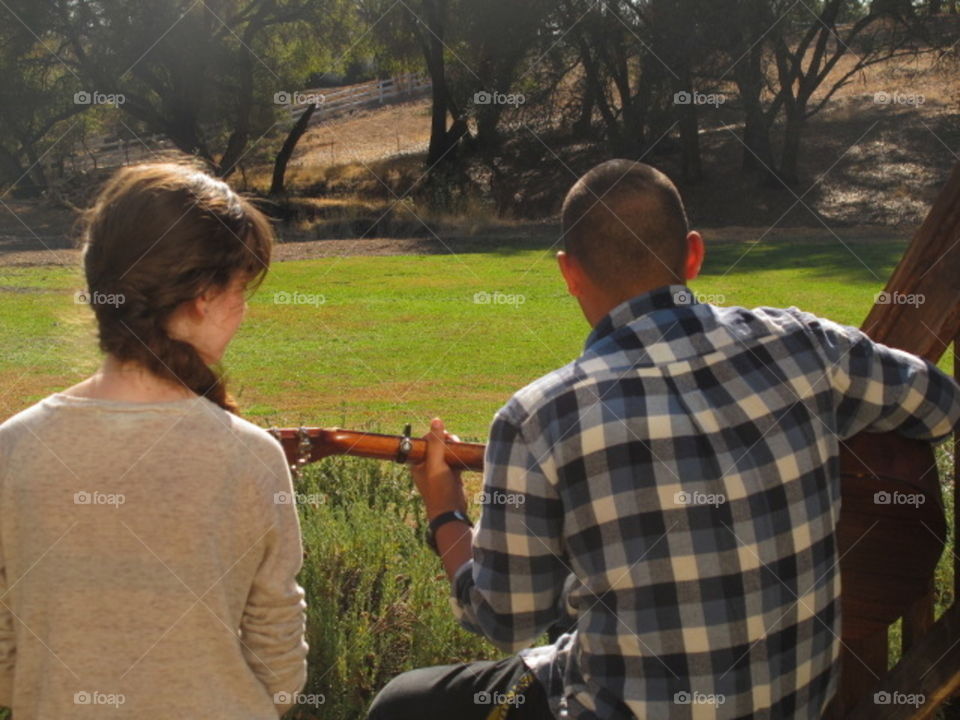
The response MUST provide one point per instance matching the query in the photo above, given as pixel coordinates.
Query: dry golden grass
(354, 146)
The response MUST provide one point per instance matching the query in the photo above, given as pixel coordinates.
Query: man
(683, 471)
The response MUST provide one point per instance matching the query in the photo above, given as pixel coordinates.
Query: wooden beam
(931, 669)
(862, 662)
(930, 270)
(919, 618)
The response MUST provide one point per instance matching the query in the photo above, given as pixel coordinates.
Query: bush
(377, 596)
(943, 580)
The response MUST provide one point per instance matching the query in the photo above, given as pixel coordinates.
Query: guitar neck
(308, 445)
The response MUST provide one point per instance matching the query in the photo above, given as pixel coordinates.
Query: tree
(785, 57)
(804, 66)
(497, 36)
(681, 45)
(606, 38)
(742, 26)
(37, 107)
(204, 75)
(416, 32)
(279, 183)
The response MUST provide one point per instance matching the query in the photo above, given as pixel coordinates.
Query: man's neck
(596, 308)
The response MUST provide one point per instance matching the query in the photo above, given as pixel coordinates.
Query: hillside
(874, 159)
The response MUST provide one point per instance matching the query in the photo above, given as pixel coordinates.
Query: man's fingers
(440, 485)
(436, 445)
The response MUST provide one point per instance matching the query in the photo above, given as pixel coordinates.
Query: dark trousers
(503, 690)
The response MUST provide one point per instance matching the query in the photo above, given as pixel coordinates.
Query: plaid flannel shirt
(685, 470)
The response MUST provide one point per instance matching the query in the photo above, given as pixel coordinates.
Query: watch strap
(441, 520)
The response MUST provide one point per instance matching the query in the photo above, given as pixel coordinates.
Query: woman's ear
(184, 320)
(198, 307)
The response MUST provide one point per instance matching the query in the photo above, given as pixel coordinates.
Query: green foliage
(36, 94)
(204, 75)
(943, 581)
(377, 597)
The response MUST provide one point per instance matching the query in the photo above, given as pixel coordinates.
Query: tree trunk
(583, 127)
(675, 42)
(792, 136)
(11, 170)
(691, 162)
(36, 172)
(181, 130)
(592, 70)
(488, 116)
(758, 150)
(748, 27)
(433, 49)
(237, 144)
(690, 143)
(438, 124)
(632, 132)
(278, 187)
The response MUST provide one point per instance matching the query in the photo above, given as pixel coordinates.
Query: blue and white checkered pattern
(685, 470)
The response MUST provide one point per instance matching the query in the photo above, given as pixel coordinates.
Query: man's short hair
(625, 223)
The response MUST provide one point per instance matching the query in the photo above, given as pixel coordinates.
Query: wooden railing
(929, 670)
(928, 673)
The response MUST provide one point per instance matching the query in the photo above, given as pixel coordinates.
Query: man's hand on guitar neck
(442, 490)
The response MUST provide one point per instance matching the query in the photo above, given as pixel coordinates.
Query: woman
(148, 558)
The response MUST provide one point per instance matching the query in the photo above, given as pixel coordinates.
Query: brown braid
(160, 235)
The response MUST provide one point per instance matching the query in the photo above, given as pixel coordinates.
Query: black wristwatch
(441, 520)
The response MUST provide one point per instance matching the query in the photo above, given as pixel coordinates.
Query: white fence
(334, 102)
(136, 146)
(104, 153)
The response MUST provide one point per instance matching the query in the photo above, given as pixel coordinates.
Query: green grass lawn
(390, 340)
(379, 342)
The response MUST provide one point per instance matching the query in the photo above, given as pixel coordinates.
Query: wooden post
(862, 662)
(929, 269)
(920, 313)
(931, 669)
(918, 619)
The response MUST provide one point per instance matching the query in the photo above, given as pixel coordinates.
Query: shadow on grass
(828, 260)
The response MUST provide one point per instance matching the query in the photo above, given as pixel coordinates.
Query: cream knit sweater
(148, 562)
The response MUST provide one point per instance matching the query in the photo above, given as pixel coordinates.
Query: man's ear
(695, 255)
(572, 273)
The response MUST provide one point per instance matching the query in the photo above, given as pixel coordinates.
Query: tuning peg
(406, 445)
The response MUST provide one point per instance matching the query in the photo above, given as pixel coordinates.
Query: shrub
(377, 596)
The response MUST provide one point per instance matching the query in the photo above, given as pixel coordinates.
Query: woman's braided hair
(157, 236)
